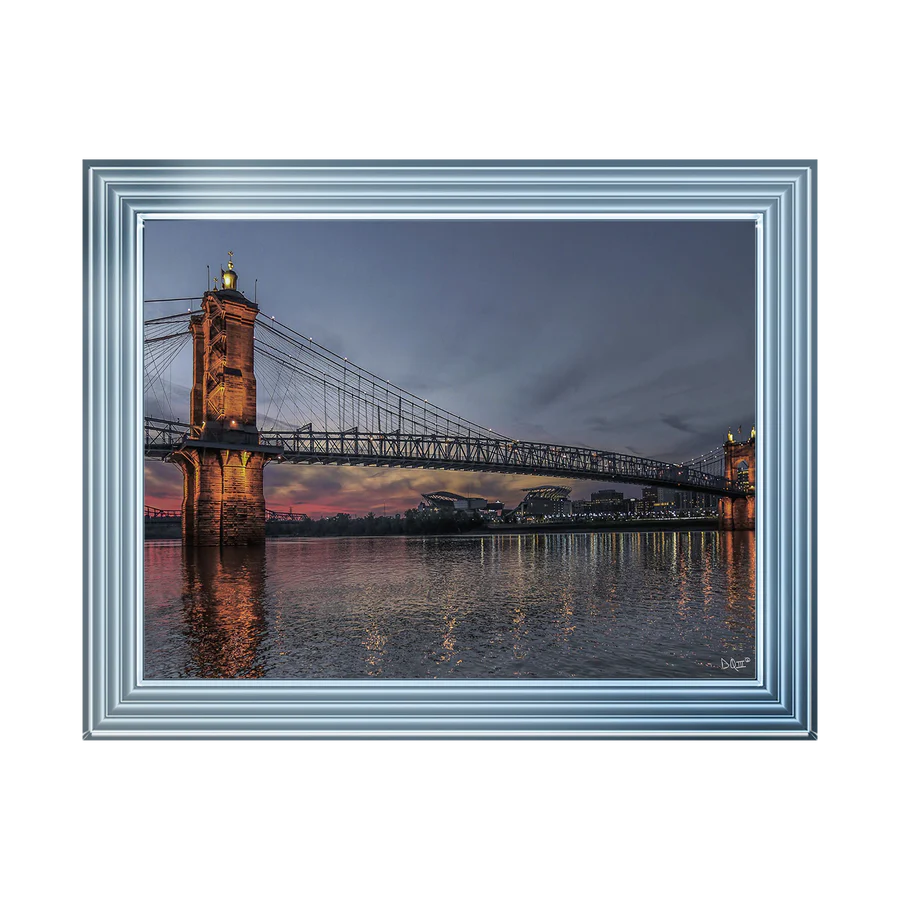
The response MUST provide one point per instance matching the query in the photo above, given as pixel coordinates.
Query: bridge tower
(739, 513)
(222, 460)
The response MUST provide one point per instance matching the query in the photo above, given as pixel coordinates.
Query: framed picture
(449, 449)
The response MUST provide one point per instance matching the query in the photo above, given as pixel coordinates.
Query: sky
(633, 336)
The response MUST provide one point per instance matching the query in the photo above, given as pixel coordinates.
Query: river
(598, 605)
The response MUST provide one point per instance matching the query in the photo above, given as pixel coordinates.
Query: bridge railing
(277, 515)
(273, 515)
(162, 436)
(485, 454)
(152, 512)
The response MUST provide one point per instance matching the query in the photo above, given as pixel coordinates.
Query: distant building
(545, 501)
(646, 506)
(695, 503)
(656, 501)
(608, 501)
(666, 500)
(450, 501)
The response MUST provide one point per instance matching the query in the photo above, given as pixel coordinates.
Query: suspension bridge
(265, 393)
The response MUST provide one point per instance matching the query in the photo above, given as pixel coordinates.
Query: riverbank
(634, 525)
(172, 530)
(157, 531)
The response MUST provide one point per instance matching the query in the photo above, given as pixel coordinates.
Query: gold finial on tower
(229, 276)
(730, 436)
(753, 433)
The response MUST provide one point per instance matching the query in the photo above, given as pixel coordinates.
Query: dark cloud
(534, 429)
(679, 424)
(597, 423)
(553, 386)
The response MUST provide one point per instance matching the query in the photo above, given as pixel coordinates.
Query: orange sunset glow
(327, 490)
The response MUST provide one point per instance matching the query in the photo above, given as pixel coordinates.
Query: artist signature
(734, 663)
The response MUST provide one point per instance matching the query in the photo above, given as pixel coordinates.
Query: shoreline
(564, 528)
(173, 532)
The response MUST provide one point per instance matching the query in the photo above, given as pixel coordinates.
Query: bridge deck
(474, 454)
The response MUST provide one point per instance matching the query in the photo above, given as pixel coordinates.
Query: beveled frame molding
(119, 196)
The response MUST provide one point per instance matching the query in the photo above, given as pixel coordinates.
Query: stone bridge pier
(222, 460)
(739, 513)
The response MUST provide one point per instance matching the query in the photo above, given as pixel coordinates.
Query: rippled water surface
(601, 605)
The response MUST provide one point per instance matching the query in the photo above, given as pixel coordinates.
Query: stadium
(546, 501)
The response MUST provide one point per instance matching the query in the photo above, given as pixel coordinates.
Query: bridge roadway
(472, 454)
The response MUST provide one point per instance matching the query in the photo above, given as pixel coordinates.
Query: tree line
(413, 521)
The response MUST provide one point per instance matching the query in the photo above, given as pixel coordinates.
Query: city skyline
(629, 336)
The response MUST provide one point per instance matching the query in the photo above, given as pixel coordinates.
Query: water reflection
(520, 633)
(375, 643)
(739, 551)
(601, 605)
(224, 613)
